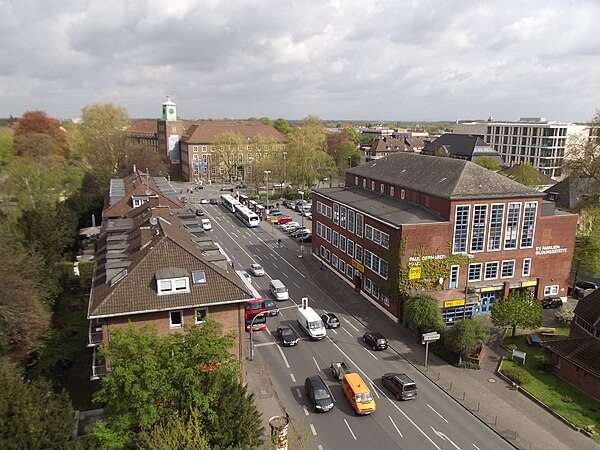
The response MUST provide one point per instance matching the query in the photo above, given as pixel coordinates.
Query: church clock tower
(169, 110)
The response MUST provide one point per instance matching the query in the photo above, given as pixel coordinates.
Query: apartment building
(531, 140)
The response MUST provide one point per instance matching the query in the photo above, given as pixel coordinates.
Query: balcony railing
(98, 368)
(94, 334)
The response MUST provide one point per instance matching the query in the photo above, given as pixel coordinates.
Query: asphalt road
(431, 421)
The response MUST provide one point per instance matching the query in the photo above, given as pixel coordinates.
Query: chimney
(145, 235)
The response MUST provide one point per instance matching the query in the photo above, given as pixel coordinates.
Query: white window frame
(464, 237)
(508, 261)
(181, 284)
(526, 267)
(199, 310)
(177, 325)
(551, 290)
(454, 276)
(473, 270)
(490, 263)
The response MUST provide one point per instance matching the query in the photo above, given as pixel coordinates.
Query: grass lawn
(561, 397)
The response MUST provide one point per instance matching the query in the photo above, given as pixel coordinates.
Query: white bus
(229, 202)
(247, 216)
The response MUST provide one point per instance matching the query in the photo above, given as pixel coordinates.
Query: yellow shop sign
(454, 303)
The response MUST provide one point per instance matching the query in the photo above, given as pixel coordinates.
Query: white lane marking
(392, 420)
(297, 285)
(349, 334)
(312, 428)
(287, 364)
(319, 447)
(374, 390)
(377, 388)
(305, 410)
(351, 432)
(348, 322)
(431, 407)
(293, 377)
(316, 363)
(476, 447)
(256, 257)
(299, 273)
(275, 265)
(444, 437)
(285, 274)
(334, 332)
(264, 344)
(369, 352)
(299, 392)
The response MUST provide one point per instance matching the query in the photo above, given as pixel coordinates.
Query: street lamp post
(251, 341)
(302, 209)
(284, 168)
(267, 172)
(350, 161)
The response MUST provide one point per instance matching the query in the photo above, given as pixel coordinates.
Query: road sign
(414, 273)
(430, 337)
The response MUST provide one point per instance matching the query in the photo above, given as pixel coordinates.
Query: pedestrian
(279, 242)
(232, 264)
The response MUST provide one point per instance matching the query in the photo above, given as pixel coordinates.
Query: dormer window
(172, 280)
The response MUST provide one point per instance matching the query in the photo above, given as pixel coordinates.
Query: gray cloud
(388, 60)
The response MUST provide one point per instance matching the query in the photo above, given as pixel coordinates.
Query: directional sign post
(426, 338)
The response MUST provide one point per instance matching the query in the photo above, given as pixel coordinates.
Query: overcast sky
(337, 59)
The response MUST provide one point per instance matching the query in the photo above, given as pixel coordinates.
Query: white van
(311, 323)
(278, 290)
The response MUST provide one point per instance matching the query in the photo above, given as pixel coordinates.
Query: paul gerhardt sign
(549, 250)
(415, 261)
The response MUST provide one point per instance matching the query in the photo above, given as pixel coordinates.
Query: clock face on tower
(171, 110)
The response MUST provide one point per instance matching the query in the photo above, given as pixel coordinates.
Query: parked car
(582, 286)
(318, 393)
(330, 320)
(284, 219)
(300, 232)
(272, 309)
(257, 270)
(199, 212)
(246, 276)
(203, 201)
(241, 186)
(206, 225)
(288, 225)
(375, 340)
(401, 385)
(552, 302)
(305, 239)
(290, 205)
(198, 187)
(227, 188)
(287, 335)
(214, 201)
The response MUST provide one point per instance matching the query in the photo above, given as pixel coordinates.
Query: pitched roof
(204, 131)
(580, 351)
(388, 145)
(463, 146)
(128, 261)
(450, 178)
(137, 184)
(588, 308)
(145, 126)
(570, 191)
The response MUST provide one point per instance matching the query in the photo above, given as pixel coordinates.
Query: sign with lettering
(549, 250)
(454, 303)
(415, 261)
(414, 273)
(358, 266)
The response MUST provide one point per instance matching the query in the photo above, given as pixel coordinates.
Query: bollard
(464, 394)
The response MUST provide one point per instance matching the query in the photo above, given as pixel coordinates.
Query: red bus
(253, 308)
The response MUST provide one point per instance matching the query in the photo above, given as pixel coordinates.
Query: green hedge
(517, 374)
(86, 270)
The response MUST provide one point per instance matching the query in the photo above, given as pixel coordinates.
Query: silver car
(257, 270)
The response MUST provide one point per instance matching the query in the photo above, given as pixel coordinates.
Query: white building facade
(531, 140)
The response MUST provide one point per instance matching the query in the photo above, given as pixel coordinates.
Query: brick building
(156, 266)
(443, 227)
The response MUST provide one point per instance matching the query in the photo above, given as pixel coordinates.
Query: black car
(199, 212)
(241, 186)
(375, 340)
(272, 309)
(214, 201)
(401, 385)
(552, 302)
(330, 320)
(318, 393)
(287, 335)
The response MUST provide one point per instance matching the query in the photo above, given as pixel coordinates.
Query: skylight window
(199, 277)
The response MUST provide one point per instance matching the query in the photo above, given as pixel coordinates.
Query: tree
(38, 122)
(583, 158)
(6, 145)
(182, 432)
(466, 336)
(520, 309)
(424, 312)
(282, 126)
(586, 255)
(527, 175)
(154, 378)
(228, 148)
(26, 293)
(32, 415)
(487, 162)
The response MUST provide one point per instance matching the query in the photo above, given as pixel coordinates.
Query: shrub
(469, 365)
(517, 374)
(441, 351)
(543, 362)
(86, 270)
(564, 315)
(510, 348)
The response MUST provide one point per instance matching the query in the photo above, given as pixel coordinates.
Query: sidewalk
(488, 397)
